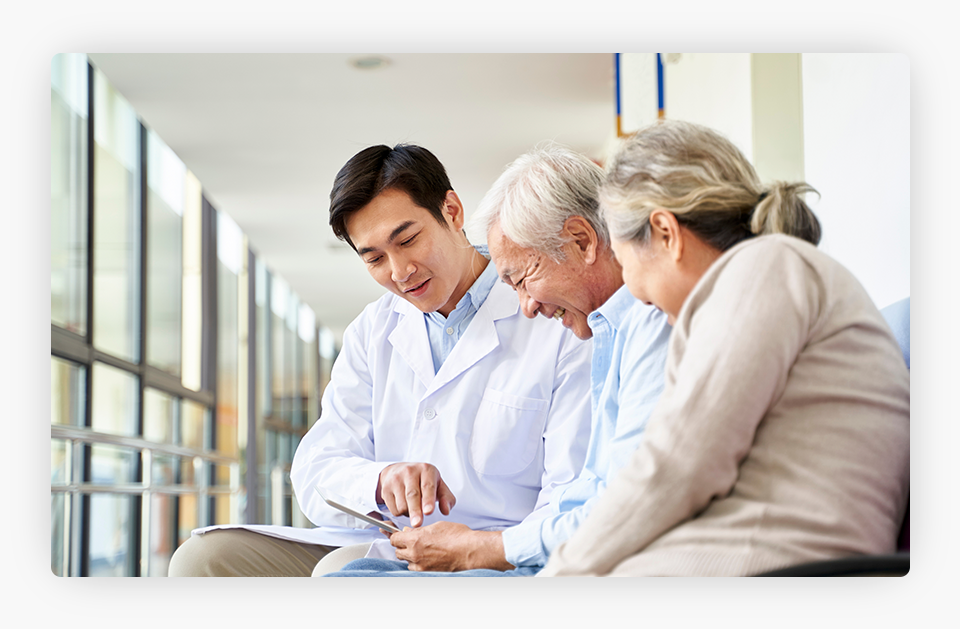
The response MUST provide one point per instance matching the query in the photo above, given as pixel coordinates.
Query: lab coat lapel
(409, 339)
(480, 337)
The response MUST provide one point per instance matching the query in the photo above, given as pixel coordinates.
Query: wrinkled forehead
(509, 257)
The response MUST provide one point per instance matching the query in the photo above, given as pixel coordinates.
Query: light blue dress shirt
(627, 377)
(444, 332)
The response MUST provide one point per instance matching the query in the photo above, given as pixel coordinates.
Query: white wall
(856, 110)
(777, 97)
(712, 89)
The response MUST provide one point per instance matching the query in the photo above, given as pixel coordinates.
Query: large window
(116, 231)
(191, 337)
(230, 260)
(166, 196)
(151, 293)
(69, 102)
(288, 387)
(68, 392)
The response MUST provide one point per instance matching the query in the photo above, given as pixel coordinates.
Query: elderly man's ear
(578, 232)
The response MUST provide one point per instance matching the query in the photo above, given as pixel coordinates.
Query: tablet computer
(337, 502)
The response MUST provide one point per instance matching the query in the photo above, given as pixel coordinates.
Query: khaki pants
(243, 553)
(339, 558)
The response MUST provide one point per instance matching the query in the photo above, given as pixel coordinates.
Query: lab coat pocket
(507, 433)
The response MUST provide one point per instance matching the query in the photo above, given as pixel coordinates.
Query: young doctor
(445, 402)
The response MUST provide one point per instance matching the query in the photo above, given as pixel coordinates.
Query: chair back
(898, 318)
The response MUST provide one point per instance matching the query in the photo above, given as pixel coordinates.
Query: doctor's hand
(413, 489)
(449, 547)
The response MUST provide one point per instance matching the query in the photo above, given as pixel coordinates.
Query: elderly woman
(782, 435)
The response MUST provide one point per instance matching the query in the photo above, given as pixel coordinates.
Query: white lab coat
(506, 419)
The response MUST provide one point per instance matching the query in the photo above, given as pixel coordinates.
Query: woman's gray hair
(706, 182)
(537, 193)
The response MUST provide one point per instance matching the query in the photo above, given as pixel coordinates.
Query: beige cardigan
(782, 435)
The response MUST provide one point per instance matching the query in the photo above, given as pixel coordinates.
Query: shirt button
(429, 413)
(449, 330)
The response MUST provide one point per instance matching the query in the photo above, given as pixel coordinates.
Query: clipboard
(337, 503)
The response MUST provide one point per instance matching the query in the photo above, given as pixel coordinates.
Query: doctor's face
(555, 290)
(408, 252)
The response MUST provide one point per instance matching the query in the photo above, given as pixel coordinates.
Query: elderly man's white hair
(537, 193)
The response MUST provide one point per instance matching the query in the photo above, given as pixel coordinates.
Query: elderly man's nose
(528, 305)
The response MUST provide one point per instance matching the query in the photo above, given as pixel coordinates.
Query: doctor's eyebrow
(393, 236)
(399, 230)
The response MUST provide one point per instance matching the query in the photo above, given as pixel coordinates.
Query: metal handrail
(74, 433)
(128, 488)
(76, 437)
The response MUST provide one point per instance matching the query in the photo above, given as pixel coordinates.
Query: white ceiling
(266, 133)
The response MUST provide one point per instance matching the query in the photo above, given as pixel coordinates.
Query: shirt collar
(478, 291)
(614, 309)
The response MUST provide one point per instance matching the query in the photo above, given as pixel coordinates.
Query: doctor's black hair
(406, 167)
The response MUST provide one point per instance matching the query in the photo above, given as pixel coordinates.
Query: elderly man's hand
(413, 489)
(450, 547)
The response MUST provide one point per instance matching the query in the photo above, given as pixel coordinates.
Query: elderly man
(549, 244)
(444, 401)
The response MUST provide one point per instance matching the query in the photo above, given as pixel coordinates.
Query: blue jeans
(386, 568)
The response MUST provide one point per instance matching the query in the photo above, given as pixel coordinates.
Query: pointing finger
(446, 498)
(428, 489)
(412, 496)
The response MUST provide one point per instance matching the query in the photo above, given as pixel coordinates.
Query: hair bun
(782, 210)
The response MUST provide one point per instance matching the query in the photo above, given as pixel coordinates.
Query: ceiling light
(370, 62)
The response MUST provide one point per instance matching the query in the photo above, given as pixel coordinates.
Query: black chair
(896, 565)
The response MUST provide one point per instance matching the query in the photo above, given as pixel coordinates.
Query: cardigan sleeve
(736, 338)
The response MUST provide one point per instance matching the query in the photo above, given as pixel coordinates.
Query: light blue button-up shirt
(627, 374)
(444, 332)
